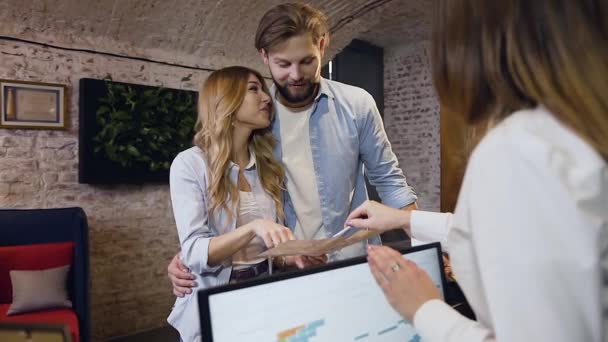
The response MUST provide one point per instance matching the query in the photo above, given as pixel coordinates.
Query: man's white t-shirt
(299, 171)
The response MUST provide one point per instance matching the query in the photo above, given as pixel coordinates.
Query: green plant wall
(144, 126)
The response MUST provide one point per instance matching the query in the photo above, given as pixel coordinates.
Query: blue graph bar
(360, 337)
(415, 338)
(381, 332)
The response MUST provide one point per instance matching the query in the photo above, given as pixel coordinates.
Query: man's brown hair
(287, 20)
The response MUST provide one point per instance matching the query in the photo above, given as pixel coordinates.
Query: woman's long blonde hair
(220, 97)
(491, 58)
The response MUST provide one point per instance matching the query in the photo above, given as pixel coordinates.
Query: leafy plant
(144, 125)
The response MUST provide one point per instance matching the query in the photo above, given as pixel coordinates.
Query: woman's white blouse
(528, 240)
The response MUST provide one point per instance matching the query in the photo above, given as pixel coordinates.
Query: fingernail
(188, 291)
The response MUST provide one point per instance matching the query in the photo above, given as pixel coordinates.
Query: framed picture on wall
(32, 105)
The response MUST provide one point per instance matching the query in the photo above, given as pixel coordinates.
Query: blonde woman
(529, 238)
(226, 190)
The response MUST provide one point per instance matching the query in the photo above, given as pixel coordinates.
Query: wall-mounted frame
(32, 105)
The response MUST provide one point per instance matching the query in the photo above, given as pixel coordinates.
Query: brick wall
(132, 232)
(411, 118)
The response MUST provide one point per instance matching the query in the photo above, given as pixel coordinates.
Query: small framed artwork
(32, 105)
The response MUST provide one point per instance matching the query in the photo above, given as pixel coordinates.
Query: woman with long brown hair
(226, 190)
(529, 238)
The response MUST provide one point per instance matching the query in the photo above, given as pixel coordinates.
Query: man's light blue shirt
(347, 138)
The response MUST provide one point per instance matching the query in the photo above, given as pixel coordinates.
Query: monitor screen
(340, 302)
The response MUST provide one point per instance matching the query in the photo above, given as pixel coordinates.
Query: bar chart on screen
(302, 333)
(308, 333)
(343, 304)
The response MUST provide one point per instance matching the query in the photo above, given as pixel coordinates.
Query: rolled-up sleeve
(190, 212)
(437, 321)
(381, 165)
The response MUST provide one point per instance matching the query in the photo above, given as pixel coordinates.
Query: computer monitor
(337, 302)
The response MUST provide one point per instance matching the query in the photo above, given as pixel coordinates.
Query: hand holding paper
(319, 247)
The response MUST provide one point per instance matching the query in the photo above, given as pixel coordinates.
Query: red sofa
(43, 239)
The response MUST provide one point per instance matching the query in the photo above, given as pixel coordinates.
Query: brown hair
(491, 58)
(220, 97)
(287, 20)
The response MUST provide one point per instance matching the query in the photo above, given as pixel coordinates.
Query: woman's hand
(375, 216)
(272, 233)
(405, 285)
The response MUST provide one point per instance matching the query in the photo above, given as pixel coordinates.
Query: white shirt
(299, 171)
(528, 238)
(249, 210)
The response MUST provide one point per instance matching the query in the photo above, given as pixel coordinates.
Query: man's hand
(305, 261)
(447, 267)
(181, 278)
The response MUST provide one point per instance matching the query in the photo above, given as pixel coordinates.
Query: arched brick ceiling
(406, 22)
(201, 33)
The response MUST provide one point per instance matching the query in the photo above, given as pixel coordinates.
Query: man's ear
(322, 44)
(264, 56)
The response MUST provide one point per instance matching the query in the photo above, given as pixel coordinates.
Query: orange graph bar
(289, 332)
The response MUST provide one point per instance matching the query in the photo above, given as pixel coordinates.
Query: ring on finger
(395, 267)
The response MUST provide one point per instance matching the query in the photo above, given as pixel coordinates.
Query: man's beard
(293, 98)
